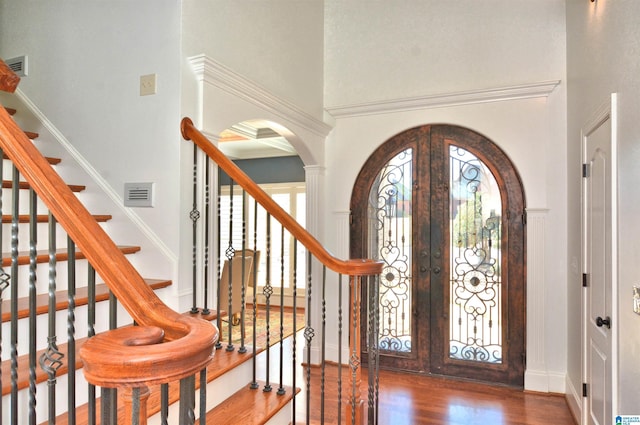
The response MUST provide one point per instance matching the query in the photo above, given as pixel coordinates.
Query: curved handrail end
(184, 124)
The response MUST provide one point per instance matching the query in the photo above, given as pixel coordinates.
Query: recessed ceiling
(246, 141)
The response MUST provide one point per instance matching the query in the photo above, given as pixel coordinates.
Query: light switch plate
(636, 299)
(148, 84)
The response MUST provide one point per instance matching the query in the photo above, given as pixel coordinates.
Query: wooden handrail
(185, 344)
(357, 267)
(8, 79)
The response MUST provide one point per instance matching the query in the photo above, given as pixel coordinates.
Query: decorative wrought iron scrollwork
(194, 215)
(475, 261)
(390, 227)
(309, 333)
(51, 360)
(5, 281)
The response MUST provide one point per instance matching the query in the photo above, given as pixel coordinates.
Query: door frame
(606, 112)
(514, 207)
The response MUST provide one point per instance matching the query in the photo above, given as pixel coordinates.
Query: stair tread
(210, 317)
(61, 255)
(52, 161)
(102, 293)
(43, 218)
(31, 135)
(62, 301)
(8, 184)
(249, 407)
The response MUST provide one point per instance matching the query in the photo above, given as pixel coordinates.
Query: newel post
(355, 404)
(135, 404)
(357, 397)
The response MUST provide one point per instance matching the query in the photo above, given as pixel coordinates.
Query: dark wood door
(443, 208)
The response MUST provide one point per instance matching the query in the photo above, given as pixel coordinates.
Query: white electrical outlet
(148, 84)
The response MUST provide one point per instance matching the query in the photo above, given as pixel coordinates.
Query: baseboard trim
(545, 382)
(574, 400)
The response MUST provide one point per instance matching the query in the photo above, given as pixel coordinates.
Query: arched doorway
(443, 207)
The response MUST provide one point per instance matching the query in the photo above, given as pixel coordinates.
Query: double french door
(443, 208)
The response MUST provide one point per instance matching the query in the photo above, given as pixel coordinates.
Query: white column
(536, 376)
(314, 180)
(341, 234)
(314, 177)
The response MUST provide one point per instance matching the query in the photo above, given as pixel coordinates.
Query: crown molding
(211, 72)
(524, 91)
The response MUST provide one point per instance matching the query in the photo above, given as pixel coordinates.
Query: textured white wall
(275, 44)
(85, 60)
(375, 52)
(275, 48)
(603, 56)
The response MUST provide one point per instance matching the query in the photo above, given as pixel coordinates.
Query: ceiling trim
(523, 91)
(209, 71)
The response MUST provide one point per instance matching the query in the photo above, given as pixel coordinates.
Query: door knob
(600, 322)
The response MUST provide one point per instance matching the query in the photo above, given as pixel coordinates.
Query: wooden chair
(234, 270)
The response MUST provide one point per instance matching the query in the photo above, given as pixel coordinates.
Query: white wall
(377, 54)
(276, 44)
(603, 56)
(375, 51)
(259, 61)
(85, 60)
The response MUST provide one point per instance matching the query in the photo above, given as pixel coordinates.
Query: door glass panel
(390, 231)
(475, 228)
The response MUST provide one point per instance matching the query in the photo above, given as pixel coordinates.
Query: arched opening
(271, 161)
(443, 207)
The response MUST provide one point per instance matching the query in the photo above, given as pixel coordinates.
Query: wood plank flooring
(410, 399)
(407, 399)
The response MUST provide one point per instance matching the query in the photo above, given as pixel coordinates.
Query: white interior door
(600, 268)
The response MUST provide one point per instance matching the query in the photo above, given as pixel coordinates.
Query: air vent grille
(18, 65)
(138, 194)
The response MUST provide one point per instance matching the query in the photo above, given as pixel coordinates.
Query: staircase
(100, 293)
(227, 368)
(71, 355)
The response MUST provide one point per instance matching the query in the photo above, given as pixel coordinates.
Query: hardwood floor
(407, 399)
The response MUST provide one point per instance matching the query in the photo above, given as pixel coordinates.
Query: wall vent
(138, 194)
(18, 65)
